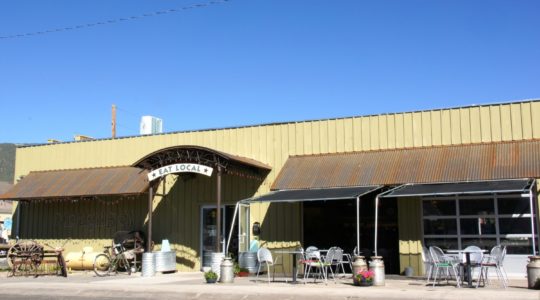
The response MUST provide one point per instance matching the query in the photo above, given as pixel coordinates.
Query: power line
(113, 21)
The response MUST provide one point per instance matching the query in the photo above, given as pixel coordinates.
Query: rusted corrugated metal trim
(504, 160)
(79, 183)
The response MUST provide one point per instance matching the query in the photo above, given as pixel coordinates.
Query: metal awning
(526, 187)
(461, 188)
(43, 185)
(315, 194)
(345, 193)
(456, 163)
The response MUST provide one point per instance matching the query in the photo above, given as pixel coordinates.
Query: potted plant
(210, 276)
(364, 278)
(243, 272)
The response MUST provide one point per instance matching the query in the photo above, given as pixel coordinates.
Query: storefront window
(483, 221)
(440, 208)
(514, 206)
(442, 243)
(514, 225)
(478, 226)
(517, 245)
(440, 226)
(476, 207)
(483, 243)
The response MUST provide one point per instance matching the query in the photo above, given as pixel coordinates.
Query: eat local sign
(180, 168)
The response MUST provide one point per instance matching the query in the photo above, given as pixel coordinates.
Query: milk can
(533, 272)
(359, 265)
(377, 266)
(227, 272)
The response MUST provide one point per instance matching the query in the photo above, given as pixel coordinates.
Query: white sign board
(180, 168)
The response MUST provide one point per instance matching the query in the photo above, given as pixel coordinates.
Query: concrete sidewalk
(192, 286)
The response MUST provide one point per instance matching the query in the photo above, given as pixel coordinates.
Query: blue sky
(256, 61)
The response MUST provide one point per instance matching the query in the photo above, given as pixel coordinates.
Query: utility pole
(113, 121)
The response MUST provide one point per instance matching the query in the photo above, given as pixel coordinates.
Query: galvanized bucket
(248, 260)
(217, 258)
(165, 261)
(148, 264)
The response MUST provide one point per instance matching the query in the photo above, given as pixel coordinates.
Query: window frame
(458, 217)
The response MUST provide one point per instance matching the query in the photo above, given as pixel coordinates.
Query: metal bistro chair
(428, 263)
(493, 260)
(444, 262)
(265, 257)
(314, 260)
(345, 259)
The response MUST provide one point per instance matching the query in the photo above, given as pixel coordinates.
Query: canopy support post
(218, 211)
(532, 221)
(232, 228)
(376, 223)
(535, 204)
(357, 225)
(150, 212)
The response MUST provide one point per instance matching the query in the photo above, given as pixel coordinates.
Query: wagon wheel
(25, 257)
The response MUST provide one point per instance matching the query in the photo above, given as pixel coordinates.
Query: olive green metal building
(447, 177)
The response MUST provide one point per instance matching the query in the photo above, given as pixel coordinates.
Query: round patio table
(467, 261)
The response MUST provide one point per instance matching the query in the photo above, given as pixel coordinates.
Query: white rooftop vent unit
(151, 125)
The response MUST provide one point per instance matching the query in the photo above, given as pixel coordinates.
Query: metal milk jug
(377, 266)
(227, 272)
(359, 265)
(533, 272)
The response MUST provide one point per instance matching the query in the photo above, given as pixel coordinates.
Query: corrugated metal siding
(273, 144)
(82, 223)
(503, 160)
(410, 234)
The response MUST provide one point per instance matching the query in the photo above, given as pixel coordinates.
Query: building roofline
(282, 123)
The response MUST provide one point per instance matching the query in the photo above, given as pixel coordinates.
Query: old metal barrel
(148, 264)
(165, 261)
(248, 260)
(217, 258)
(377, 266)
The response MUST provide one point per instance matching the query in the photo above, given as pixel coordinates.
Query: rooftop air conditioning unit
(151, 125)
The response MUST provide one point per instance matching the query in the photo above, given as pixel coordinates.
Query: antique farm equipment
(28, 258)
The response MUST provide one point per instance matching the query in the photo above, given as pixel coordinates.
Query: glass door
(243, 227)
(209, 232)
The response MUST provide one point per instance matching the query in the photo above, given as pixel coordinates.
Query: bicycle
(108, 262)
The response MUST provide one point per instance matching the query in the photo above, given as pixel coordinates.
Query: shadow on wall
(281, 226)
(177, 215)
(93, 218)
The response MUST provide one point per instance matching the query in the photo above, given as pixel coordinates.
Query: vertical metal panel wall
(273, 144)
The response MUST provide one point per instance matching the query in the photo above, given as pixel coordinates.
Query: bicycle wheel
(102, 265)
(122, 264)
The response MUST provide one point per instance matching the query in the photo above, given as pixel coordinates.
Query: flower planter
(363, 278)
(362, 283)
(242, 274)
(211, 280)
